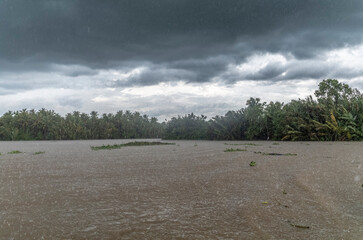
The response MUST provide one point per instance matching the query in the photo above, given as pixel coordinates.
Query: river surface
(190, 190)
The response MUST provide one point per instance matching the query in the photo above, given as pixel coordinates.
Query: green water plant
(37, 153)
(235, 150)
(129, 144)
(250, 144)
(241, 144)
(14, 152)
(252, 164)
(277, 154)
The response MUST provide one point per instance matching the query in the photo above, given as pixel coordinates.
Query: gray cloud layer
(184, 40)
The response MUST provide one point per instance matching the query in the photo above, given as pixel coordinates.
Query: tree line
(48, 125)
(336, 114)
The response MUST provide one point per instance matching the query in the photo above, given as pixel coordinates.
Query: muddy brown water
(190, 190)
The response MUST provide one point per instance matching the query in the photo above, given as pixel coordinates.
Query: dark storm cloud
(187, 40)
(190, 70)
(270, 71)
(203, 69)
(72, 70)
(153, 75)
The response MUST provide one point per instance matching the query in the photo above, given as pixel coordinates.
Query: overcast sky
(172, 57)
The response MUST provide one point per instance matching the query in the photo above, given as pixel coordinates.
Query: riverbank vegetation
(335, 114)
(48, 125)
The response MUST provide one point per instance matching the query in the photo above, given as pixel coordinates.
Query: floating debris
(37, 153)
(129, 144)
(298, 226)
(242, 144)
(14, 152)
(235, 150)
(277, 154)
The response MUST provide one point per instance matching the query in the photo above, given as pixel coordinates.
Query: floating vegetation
(275, 143)
(298, 226)
(235, 150)
(129, 144)
(250, 144)
(252, 164)
(37, 153)
(277, 154)
(14, 152)
(241, 144)
(278, 202)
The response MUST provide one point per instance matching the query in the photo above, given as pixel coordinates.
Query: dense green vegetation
(335, 114)
(48, 125)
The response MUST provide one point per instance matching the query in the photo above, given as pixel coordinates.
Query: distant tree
(255, 119)
(189, 126)
(227, 127)
(275, 120)
(333, 93)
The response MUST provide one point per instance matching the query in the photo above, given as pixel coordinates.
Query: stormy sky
(171, 57)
